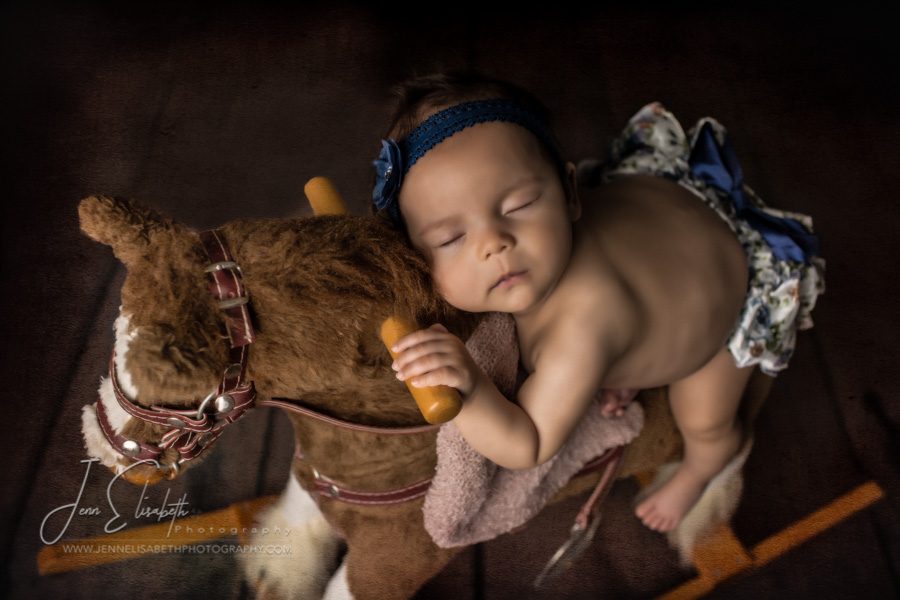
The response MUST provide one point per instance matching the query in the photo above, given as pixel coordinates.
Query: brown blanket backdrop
(209, 113)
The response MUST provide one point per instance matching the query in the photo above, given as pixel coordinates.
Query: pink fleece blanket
(471, 498)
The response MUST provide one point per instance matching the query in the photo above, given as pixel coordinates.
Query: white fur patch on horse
(304, 570)
(296, 503)
(338, 589)
(124, 334)
(94, 441)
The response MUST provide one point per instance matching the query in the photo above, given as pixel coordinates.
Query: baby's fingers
(429, 348)
(417, 337)
(423, 363)
(445, 375)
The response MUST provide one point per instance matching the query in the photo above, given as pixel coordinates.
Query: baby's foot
(614, 401)
(663, 509)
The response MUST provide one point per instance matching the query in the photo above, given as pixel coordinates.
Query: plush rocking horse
(288, 313)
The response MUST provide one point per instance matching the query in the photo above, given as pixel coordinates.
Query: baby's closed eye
(520, 206)
(450, 241)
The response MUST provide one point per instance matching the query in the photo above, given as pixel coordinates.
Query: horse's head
(169, 349)
(319, 289)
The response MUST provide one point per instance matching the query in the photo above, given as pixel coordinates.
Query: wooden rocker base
(720, 555)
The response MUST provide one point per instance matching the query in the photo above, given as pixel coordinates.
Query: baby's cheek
(443, 281)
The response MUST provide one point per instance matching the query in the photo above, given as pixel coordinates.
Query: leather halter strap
(225, 285)
(330, 488)
(380, 429)
(609, 460)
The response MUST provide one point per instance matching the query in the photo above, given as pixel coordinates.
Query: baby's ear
(573, 200)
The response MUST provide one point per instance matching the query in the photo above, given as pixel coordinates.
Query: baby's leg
(705, 405)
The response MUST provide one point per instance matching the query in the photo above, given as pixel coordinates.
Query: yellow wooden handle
(324, 197)
(439, 403)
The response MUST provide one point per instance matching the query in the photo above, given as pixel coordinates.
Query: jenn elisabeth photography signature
(142, 509)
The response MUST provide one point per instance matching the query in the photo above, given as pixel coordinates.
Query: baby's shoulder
(597, 298)
(577, 338)
(569, 360)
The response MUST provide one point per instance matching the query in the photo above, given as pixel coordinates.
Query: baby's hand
(434, 356)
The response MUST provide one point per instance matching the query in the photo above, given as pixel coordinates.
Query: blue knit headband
(396, 158)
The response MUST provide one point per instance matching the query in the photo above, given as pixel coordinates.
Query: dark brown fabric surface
(209, 114)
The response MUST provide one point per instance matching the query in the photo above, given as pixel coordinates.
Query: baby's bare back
(658, 270)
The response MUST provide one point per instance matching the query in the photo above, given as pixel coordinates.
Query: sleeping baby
(670, 271)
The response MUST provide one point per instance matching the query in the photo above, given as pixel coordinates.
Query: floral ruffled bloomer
(786, 272)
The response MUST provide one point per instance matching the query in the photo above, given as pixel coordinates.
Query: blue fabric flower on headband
(388, 177)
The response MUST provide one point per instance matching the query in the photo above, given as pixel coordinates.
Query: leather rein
(192, 431)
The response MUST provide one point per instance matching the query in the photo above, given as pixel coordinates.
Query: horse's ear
(125, 226)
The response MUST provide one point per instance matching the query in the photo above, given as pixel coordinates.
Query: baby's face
(484, 203)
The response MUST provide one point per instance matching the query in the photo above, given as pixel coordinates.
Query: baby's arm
(568, 372)
(551, 401)
(493, 425)
(497, 428)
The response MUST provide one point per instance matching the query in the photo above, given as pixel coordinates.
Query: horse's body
(319, 288)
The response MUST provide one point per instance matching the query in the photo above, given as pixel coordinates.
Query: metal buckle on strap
(332, 490)
(202, 408)
(131, 448)
(232, 371)
(223, 403)
(223, 264)
(232, 302)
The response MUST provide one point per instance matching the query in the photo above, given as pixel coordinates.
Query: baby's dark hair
(420, 95)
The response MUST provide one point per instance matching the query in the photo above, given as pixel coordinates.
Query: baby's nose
(494, 243)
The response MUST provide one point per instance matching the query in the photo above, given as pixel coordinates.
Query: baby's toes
(667, 524)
